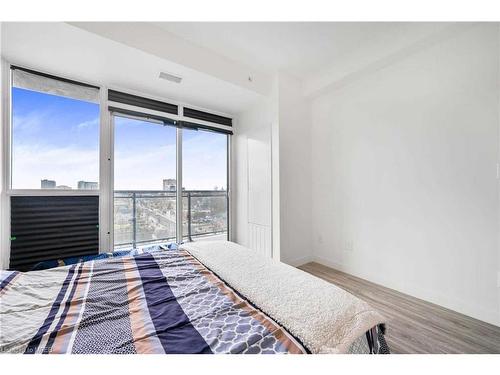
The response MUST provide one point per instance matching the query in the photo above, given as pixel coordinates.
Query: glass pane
(123, 215)
(55, 141)
(145, 185)
(204, 180)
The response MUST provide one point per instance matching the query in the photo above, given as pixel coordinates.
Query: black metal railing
(143, 217)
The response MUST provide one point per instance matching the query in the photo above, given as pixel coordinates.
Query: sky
(57, 138)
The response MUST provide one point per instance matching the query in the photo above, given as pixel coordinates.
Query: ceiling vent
(170, 77)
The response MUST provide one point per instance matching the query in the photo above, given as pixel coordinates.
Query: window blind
(139, 101)
(52, 227)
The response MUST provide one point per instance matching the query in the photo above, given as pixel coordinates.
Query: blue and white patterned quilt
(159, 302)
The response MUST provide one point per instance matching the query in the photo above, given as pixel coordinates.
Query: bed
(200, 298)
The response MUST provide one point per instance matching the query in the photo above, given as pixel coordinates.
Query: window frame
(106, 156)
(9, 137)
(113, 111)
(111, 187)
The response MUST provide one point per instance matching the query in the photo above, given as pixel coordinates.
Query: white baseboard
(328, 263)
(299, 261)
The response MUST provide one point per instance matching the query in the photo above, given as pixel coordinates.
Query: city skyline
(81, 185)
(92, 185)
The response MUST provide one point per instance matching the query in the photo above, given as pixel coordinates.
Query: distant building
(47, 184)
(88, 185)
(170, 184)
(63, 187)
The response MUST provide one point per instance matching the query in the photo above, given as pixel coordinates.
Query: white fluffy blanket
(324, 317)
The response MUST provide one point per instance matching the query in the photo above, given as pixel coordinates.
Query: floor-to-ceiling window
(144, 182)
(161, 164)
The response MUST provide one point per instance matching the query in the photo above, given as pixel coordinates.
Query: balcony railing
(143, 217)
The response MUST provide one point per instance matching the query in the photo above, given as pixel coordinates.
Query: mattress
(158, 302)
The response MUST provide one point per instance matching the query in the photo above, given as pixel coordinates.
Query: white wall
(294, 172)
(404, 185)
(272, 149)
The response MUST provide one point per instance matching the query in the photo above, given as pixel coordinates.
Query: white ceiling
(301, 49)
(225, 66)
(68, 51)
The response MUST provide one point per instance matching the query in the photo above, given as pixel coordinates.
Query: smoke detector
(170, 77)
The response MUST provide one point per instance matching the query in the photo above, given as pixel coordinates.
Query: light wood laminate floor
(414, 325)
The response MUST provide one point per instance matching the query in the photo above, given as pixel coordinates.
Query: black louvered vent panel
(205, 116)
(138, 101)
(46, 228)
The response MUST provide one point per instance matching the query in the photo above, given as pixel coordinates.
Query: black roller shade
(205, 116)
(192, 125)
(138, 101)
(13, 67)
(52, 227)
(168, 121)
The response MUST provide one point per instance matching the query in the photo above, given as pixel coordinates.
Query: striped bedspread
(160, 302)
